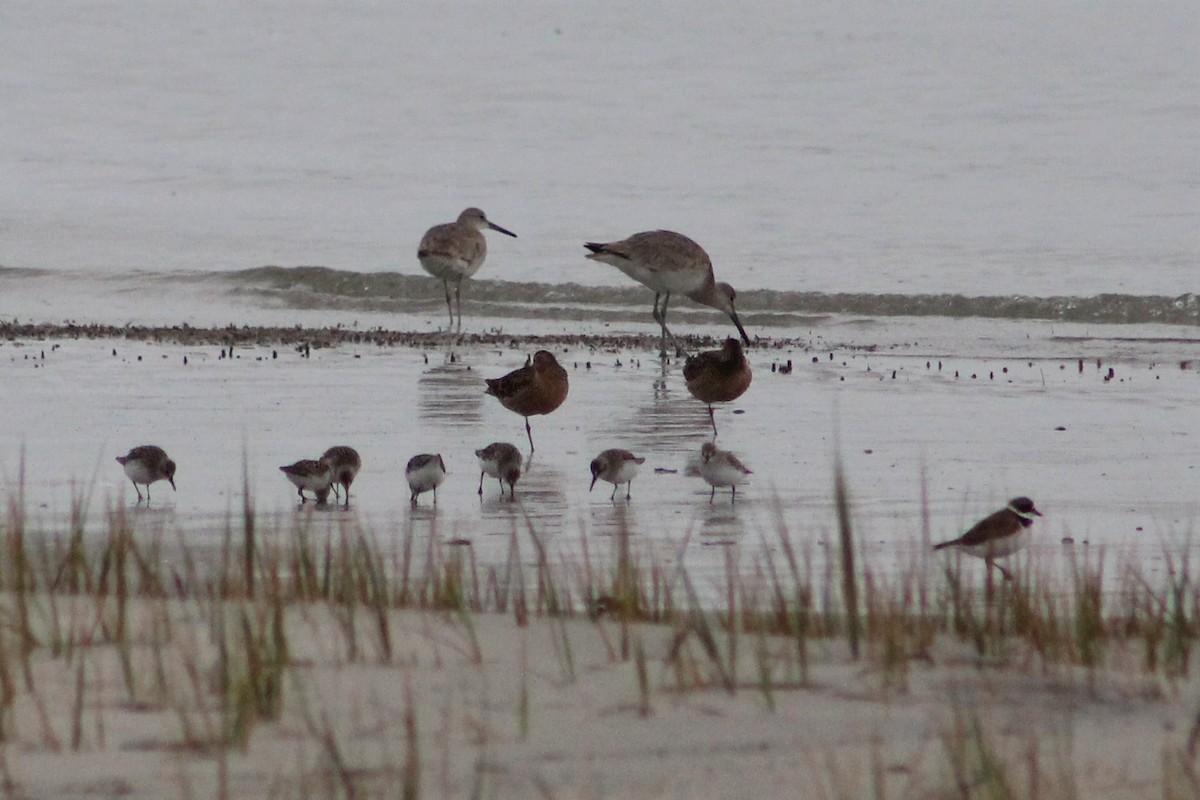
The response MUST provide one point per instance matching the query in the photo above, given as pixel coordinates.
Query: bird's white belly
(999, 548)
(427, 477)
(137, 472)
(720, 473)
(624, 473)
(448, 268)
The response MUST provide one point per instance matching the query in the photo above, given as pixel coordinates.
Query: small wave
(323, 287)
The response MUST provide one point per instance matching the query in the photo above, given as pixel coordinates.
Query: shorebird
(502, 461)
(721, 468)
(998, 535)
(316, 476)
(718, 376)
(536, 388)
(146, 464)
(345, 463)
(425, 473)
(455, 251)
(669, 263)
(616, 466)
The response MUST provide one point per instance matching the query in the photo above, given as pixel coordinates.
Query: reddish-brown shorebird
(537, 388)
(718, 376)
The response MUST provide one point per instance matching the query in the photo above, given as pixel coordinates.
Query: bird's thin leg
(712, 420)
(529, 433)
(612, 497)
(435, 495)
(481, 485)
(712, 495)
(147, 494)
(414, 497)
(628, 489)
(336, 494)
(449, 308)
(139, 491)
(300, 492)
(734, 497)
(458, 301)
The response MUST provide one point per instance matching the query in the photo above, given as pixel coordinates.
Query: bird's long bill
(172, 480)
(505, 231)
(733, 316)
(594, 479)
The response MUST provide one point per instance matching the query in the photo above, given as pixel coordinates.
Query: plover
(999, 534)
(501, 461)
(718, 376)
(668, 263)
(455, 251)
(616, 466)
(311, 474)
(425, 473)
(345, 463)
(146, 464)
(536, 388)
(720, 468)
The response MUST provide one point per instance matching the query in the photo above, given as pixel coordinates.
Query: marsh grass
(71, 595)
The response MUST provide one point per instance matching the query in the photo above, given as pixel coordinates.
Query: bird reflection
(450, 393)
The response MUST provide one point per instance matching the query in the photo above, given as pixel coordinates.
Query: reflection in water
(669, 419)
(721, 523)
(451, 392)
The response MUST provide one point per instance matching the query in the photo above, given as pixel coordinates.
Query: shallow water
(1110, 462)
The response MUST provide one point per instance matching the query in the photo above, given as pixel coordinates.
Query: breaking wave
(322, 287)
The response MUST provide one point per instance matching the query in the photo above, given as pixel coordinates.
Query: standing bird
(718, 376)
(345, 463)
(998, 535)
(669, 263)
(146, 464)
(316, 476)
(616, 466)
(502, 461)
(425, 473)
(455, 251)
(721, 468)
(536, 388)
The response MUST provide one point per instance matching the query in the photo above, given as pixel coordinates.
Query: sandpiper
(669, 263)
(616, 466)
(425, 473)
(998, 535)
(455, 251)
(146, 464)
(502, 461)
(536, 388)
(718, 376)
(311, 474)
(721, 468)
(345, 463)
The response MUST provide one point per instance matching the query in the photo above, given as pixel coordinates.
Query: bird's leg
(414, 498)
(481, 485)
(628, 489)
(435, 495)
(733, 499)
(139, 491)
(458, 302)
(712, 420)
(612, 498)
(300, 492)
(529, 433)
(712, 495)
(449, 308)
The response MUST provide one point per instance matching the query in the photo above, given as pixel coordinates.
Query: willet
(536, 388)
(718, 376)
(669, 263)
(998, 535)
(146, 464)
(425, 472)
(345, 463)
(502, 461)
(721, 468)
(316, 476)
(455, 251)
(615, 466)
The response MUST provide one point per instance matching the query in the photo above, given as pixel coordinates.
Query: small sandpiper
(146, 464)
(998, 535)
(311, 474)
(718, 376)
(536, 388)
(345, 463)
(425, 473)
(721, 468)
(455, 251)
(501, 461)
(616, 466)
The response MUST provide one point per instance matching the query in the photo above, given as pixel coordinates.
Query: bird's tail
(945, 544)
